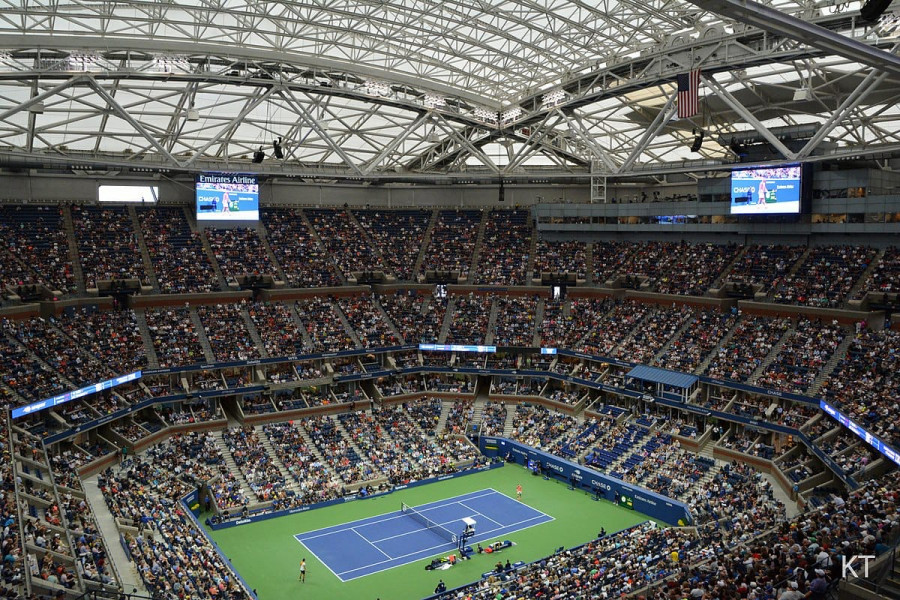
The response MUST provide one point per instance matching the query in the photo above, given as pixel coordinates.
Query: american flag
(688, 94)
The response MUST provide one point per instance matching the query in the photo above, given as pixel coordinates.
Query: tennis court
(374, 544)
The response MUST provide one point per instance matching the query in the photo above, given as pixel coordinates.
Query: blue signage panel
(650, 503)
(456, 348)
(74, 395)
(870, 439)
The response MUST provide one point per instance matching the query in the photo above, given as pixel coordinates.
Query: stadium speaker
(698, 142)
(258, 156)
(872, 10)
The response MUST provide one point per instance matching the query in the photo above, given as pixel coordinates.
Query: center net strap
(428, 523)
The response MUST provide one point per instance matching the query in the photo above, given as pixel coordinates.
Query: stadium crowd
(560, 257)
(175, 339)
(34, 249)
(239, 251)
(179, 260)
(398, 234)
(505, 248)
(323, 325)
(364, 316)
(452, 242)
(826, 276)
(278, 329)
(348, 245)
(304, 262)
(254, 463)
(108, 246)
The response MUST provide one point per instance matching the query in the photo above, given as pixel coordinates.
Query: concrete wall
(24, 188)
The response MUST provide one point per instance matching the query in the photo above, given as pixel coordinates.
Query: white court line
(333, 530)
(526, 504)
(477, 512)
(479, 535)
(353, 529)
(317, 557)
(445, 523)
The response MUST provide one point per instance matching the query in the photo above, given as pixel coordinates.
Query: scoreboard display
(761, 191)
(227, 197)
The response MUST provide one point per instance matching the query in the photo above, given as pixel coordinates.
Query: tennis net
(428, 523)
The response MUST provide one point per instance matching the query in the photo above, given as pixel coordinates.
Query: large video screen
(227, 197)
(766, 191)
(128, 193)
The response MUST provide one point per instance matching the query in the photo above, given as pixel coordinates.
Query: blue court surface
(382, 542)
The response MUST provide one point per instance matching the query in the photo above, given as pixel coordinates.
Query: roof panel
(663, 376)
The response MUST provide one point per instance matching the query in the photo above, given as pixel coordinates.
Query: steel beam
(117, 108)
(292, 101)
(865, 87)
(777, 22)
(748, 117)
(40, 97)
(660, 121)
(248, 108)
(467, 144)
(372, 164)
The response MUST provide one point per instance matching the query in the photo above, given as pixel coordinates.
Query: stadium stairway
(773, 353)
(707, 449)
(141, 320)
(322, 247)
(704, 364)
(890, 587)
(538, 321)
(387, 319)
(830, 366)
(532, 250)
(290, 482)
(508, 424)
(264, 240)
(201, 334)
(73, 248)
(346, 323)
(106, 523)
(479, 244)
(478, 414)
(254, 332)
(795, 268)
(448, 319)
(426, 241)
(442, 419)
(491, 334)
(295, 317)
(232, 466)
(865, 275)
(720, 280)
(210, 255)
(376, 248)
(142, 245)
(672, 339)
(589, 264)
